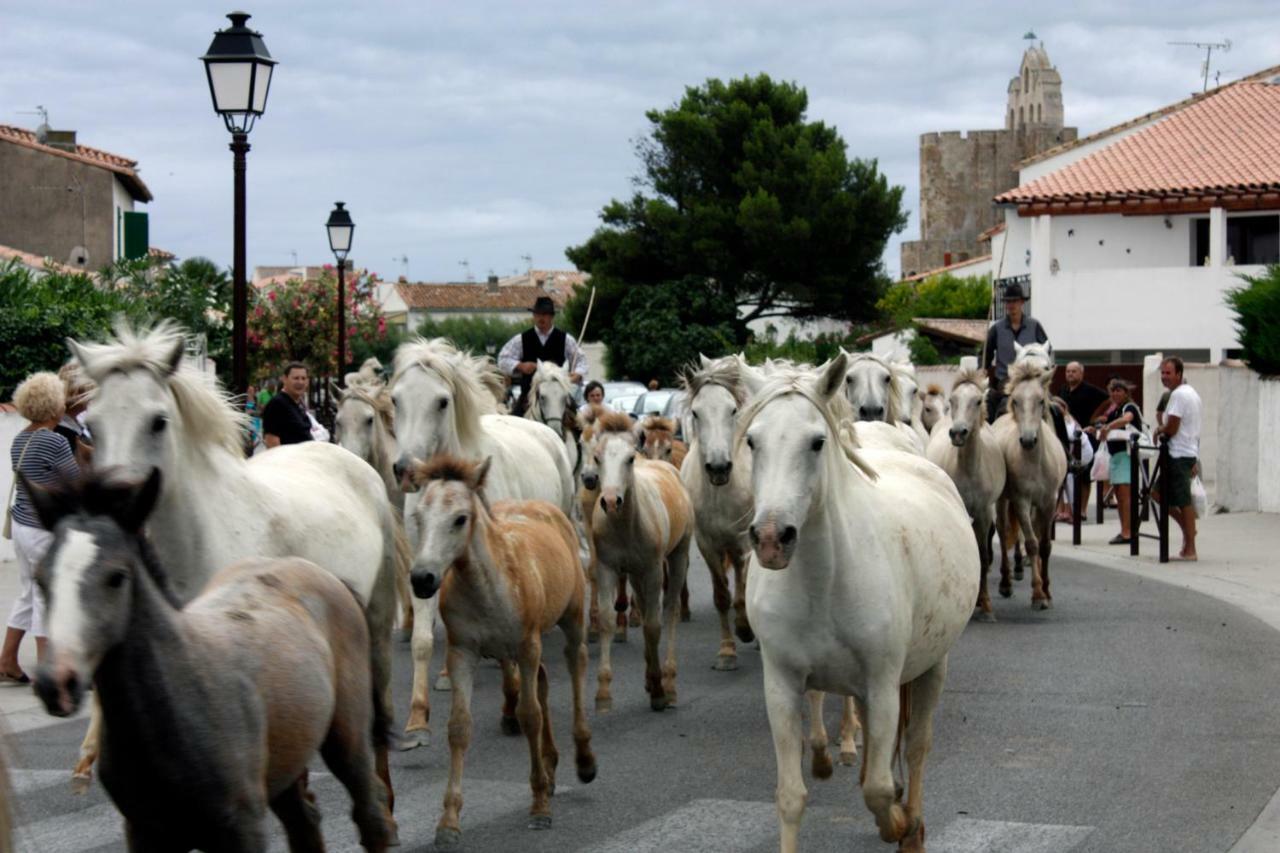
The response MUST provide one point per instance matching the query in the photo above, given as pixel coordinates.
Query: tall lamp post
(239, 70)
(341, 228)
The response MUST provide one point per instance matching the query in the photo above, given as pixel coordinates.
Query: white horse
(910, 405)
(551, 402)
(312, 500)
(1040, 355)
(933, 406)
(863, 576)
(1036, 466)
(873, 388)
(966, 448)
(445, 402)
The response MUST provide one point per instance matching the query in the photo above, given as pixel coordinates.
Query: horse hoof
(821, 765)
(620, 636)
(848, 759)
(448, 839)
(1017, 573)
(658, 703)
(80, 782)
(984, 616)
(686, 616)
(635, 621)
(414, 739)
(604, 704)
(1039, 604)
(913, 841)
(1006, 591)
(745, 634)
(587, 769)
(540, 821)
(725, 663)
(593, 636)
(444, 682)
(510, 725)
(404, 635)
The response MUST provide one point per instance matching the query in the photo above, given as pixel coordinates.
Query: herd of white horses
(845, 515)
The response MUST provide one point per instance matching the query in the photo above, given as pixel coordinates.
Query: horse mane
(474, 382)
(608, 422)
(933, 389)
(657, 423)
(368, 374)
(444, 466)
(725, 372)
(378, 398)
(205, 409)
(795, 381)
(1024, 371)
(967, 376)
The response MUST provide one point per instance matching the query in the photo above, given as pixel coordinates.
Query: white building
(1132, 236)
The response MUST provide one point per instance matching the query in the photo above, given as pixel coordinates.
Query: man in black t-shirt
(284, 420)
(1082, 398)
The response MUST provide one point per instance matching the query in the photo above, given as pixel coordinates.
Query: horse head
(872, 388)
(446, 516)
(1038, 354)
(364, 421)
(149, 408)
(88, 576)
(717, 391)
(617, 445)
(551, 397)
(933, 407)
(1028, 390)
(968, 409)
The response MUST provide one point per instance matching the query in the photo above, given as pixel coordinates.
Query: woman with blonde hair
(44, 458)
(1122, 418)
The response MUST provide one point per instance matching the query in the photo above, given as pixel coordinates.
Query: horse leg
(620, 609)
(594, 626)
(82, 775)
(418, 729)
(405, 597)
(981, 528)
(531, 720)
(820, 765)
(1025, 522)
(606, 578)
(575, 656)
(727, 659)
(881, 735)
(1018, 536)
(1002, 530)
(925, 690)
(295, 806)
(647, 590)
(449, 829)
(550, 755)
(1046, 547)
(741, 624)
(685, 614)
(672, 604)
(510, 697)
(849, 726)
(782, 698)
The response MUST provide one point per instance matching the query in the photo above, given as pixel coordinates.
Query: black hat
(543, 305)
(1014, 290)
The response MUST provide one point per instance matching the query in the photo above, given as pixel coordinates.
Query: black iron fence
(1145, 484)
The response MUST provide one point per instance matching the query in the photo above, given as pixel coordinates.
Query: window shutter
(136, 237)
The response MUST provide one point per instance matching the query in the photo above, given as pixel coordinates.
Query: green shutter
(136, 238)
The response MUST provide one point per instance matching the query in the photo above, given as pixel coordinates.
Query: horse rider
(1016, 326)
(543, 342)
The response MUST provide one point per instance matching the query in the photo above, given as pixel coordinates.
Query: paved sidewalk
(1239, 564)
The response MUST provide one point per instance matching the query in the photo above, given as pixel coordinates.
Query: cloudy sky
(484, 131)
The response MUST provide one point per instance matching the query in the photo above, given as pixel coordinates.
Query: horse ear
(136, 508)
(481, 474)
(832, 378)
(52, 505)
(752, 377)
(704, 361)
(638, 432)
(337, 389)
(174, 359)
(78, 352)
(1018, 350)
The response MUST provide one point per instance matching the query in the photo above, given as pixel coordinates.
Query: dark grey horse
(211, 712)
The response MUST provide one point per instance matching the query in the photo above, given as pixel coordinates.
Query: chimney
(402, 280)
(946, 259)
(493, 284)
(63, 140)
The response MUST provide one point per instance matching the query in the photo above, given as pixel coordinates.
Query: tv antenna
(294, 252)
(38, 111)
(466, 265)
(528, 263)
(1209, 47)
(403, 261)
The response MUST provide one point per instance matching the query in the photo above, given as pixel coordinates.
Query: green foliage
(944, 295)
(923, 351)
(38, 312)
(1257, 310)
(660, 329)
(298, 321)
(813, 350)
(750, 204)
(474, 333)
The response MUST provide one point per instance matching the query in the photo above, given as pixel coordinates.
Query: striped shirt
(45, 463)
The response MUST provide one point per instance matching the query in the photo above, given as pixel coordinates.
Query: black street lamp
(341, 228)
(239, 69)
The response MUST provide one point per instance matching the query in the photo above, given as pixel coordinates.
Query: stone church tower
(961, 173)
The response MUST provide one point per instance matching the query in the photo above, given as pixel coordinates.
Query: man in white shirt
(1182, 420)
(544, 342)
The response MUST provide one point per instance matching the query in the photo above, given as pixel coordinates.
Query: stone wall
(39, 214)
(1248, 451)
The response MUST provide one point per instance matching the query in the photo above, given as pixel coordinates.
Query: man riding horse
(543, 342)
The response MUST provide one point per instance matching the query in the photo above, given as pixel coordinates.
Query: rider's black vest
(532, 349)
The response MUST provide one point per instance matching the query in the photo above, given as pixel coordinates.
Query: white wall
(1112, 241)
(1248, 422)
(11, 423)
(893, 344)
(784, 326)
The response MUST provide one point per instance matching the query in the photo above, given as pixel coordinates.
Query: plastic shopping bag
(1198, 496)
(1101, 471)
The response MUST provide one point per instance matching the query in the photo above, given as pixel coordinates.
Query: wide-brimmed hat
(1014, 290)
(543, 305)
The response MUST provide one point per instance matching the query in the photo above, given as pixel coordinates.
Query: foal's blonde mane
(799, 381)
(474, 382)
(206, 411)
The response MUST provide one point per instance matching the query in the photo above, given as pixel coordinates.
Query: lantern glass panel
(231, 82)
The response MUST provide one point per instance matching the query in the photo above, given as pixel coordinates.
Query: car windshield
(624, 404)
(614, 390)
(654, 402)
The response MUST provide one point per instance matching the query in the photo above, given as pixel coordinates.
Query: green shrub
(473, 334)
(1257, 310)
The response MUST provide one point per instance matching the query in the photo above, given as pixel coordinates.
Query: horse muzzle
(1028, 442)
(959, 437)
(590, 482)
(871, 413)
(424, 584)
(773, 543)
(719, 474)
(60, 689)
(611, 501)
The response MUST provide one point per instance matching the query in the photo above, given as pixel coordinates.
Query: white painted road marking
(970, 835)
(707, 826)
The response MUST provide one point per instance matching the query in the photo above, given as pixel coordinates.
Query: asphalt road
(1134, 716)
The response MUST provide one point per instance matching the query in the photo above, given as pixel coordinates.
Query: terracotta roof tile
(967, 331)
(1224, 144)
(956, 268)
(122, 166)
(476, 297)
(35, 262)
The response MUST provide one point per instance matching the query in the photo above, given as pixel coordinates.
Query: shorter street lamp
(340, 229)
(239, 70)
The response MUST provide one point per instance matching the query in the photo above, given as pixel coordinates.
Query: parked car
(625, 404)
(615, 390)
(653, 402)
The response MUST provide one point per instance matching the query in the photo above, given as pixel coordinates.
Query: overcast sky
(487, 131)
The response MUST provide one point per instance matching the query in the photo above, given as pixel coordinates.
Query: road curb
(1263, 836)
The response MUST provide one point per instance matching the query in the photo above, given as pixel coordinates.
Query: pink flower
(271, 295)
